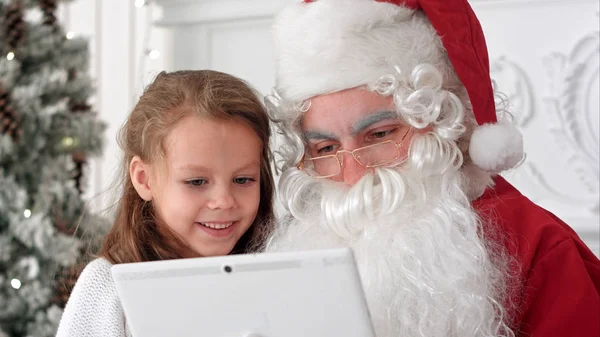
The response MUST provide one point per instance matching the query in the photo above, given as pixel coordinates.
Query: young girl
(196, 182)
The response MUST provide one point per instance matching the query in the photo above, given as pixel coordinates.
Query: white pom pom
(496, 147)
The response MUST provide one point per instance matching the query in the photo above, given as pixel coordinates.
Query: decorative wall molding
(514, 83)
(572, 109)
(531, 172)
(573, 100)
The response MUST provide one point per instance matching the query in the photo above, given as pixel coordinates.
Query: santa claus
(394, 138)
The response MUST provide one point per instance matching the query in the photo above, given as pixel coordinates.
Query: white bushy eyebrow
(371, 119)
(319, 135)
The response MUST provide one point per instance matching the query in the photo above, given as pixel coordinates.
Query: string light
(10, 56)
(67, 142)
(154, 54)
(70, 35)
(27, 213)
(15, 283)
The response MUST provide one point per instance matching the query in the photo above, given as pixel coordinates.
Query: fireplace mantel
(186, 12)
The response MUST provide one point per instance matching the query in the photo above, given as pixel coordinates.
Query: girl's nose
(222, 198)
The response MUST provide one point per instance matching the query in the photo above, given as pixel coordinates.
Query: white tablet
(297, 294)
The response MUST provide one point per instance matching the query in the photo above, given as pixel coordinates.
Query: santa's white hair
(427, 263)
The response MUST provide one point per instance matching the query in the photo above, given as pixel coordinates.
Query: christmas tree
(47, 133)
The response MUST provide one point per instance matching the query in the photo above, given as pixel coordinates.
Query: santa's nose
(352, 170)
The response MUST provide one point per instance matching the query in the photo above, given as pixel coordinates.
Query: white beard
(424, 268)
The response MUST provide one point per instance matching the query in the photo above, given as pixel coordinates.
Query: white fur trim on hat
(331, 45)
(496, 147)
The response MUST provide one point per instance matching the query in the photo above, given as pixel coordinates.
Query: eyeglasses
(370, 156)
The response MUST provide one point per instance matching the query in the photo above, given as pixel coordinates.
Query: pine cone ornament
(77, 107)
(71, 74)
(79, 160)
(8, 121)
(80, 107)
(14, 25)
(48, 8)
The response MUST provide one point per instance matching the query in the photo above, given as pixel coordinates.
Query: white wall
(544, 55)
(118, 33)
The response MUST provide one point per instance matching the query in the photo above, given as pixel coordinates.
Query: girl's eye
(243, 180)
(196, 182)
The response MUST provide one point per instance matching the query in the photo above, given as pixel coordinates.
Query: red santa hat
(324, 46)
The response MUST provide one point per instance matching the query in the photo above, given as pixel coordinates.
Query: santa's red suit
(559, 277)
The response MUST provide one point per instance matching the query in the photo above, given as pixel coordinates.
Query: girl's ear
(140, 177)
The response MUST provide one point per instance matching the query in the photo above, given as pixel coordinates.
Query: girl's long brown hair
(137, 234)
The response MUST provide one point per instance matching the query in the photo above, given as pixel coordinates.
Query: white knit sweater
(94, 309)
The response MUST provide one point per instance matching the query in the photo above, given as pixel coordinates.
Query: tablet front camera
(227, 269)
